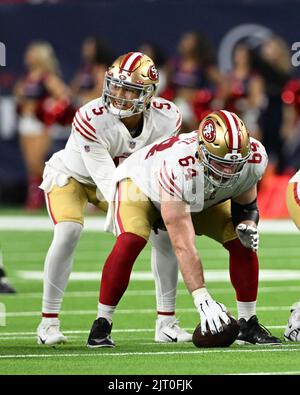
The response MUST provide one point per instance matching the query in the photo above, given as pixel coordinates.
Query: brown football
(221, 339)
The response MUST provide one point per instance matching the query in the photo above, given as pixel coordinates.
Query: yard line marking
(32, 222)
(4, 335)
(81, 332)
(30, 337)
(130, 293)
(210, 275)
(29, 256)
(133, 311)
(150, 353)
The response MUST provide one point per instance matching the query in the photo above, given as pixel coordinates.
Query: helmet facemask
(138, 104)
(215, 176)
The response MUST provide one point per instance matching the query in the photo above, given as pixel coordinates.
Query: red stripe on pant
(243, 269)
(117, 268)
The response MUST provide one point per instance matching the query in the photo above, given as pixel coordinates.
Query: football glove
(292, 331)
(211, 313)
(248, 236)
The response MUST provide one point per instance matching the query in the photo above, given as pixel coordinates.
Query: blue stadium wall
(126, 23)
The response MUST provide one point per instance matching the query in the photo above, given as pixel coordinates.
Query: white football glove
(211, 312)
(248, 236)
(292, 330)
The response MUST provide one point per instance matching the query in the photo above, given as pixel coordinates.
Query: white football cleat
(167, 330)
(292, 331)
(48, 332)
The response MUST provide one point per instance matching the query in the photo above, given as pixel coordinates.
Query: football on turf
(221, 339)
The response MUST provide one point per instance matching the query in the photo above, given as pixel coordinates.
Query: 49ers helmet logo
(209, 131)
(153, 73)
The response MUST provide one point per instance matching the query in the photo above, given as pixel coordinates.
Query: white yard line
(210, 275)
(31, 222)
(19, 335)
(151, 353)
(150, 292)
(133, 311)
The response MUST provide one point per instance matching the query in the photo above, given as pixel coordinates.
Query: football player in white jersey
(292, 331)
(197, 183)
(104, 132)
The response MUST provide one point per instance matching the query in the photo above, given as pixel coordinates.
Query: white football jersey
(99, 141)
(171, 164)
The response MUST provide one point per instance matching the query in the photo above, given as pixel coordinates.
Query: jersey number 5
(161, 105)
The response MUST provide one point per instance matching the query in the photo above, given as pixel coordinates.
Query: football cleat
(5, 287)
(292, 331)
(167, 330)
(252, 332)
(48, 332)
(100, 334)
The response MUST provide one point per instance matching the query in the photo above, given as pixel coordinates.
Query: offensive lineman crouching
(200, 183)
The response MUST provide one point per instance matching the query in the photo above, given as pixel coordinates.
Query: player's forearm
(178, 221)
(183, 242)
(191, 268)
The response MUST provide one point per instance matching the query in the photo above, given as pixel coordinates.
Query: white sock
(246, 309)
(47, 320)
(165, 271)
(167, 318)
(106, 311)
(58, 264)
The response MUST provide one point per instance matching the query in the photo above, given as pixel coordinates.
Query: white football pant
(58, 264)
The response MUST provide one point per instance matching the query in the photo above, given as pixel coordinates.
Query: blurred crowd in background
(261, 88)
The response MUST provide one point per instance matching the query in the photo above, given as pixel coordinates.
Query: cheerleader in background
(42, 98)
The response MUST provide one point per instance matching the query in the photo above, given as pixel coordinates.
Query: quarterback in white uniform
(104, 132)
(292, 331)
(197, 183)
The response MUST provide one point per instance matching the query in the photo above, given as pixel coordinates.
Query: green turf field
(136, 353)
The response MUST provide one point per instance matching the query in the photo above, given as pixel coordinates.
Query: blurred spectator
(96, 56)
(159, 59)
(290, 130)
(42, 98)
(193, 78)
(247, 91)
(273, 63)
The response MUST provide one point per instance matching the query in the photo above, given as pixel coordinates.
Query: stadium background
(126, 24)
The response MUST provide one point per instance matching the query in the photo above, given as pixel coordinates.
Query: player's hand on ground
(212, 313)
